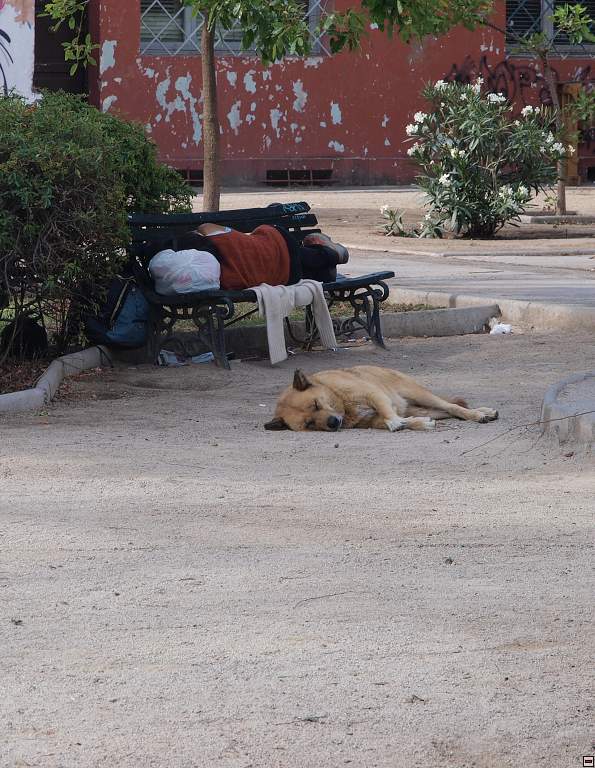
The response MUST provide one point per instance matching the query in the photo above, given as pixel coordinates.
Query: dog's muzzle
(334, 423)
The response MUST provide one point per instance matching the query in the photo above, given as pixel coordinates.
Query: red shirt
(249, 260)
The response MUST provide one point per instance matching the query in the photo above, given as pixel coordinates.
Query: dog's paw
(394, 424)
(429, 424)
(488, 414)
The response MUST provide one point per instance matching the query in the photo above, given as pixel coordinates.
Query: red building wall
(346, 113)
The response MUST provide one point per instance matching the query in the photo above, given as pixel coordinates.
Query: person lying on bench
(269, 255)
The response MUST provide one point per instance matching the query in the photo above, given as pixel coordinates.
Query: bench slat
(274, 212)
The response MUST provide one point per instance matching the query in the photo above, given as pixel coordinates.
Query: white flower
(419, 117)
(496, 98)
(505, 191)
(522, 191)
(557, 147)
(463, 96)
(412, 150)
(440, 85)
(445, 180)
(528, 110)
(476, 88)
(428, 217)
(411, 129)
(550, 138)
(479, 81)
(570, 149)
(517, 122)
(384, 210)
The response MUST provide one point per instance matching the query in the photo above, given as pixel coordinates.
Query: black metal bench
(213, 311)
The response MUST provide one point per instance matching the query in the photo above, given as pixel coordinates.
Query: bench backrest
(165, 228)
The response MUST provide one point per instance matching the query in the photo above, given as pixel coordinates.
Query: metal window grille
(527, 17)
(168, 28)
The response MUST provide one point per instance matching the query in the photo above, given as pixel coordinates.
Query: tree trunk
(553, 89)
(211, 190)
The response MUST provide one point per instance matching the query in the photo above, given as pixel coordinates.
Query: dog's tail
(459, 401)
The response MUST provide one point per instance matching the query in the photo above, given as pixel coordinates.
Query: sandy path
(181, 588)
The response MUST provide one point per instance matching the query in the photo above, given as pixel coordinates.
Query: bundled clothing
(276, 302)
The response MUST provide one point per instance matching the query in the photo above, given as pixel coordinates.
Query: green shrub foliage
(480, 166)
(69, 176)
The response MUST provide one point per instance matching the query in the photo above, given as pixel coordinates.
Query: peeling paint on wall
(385, 120)
(108, 56)
(249, 83)
(183, 87)
(336, 116)
(107, 103)
(336, 146)
(232, 78)
(234, 118)
(301, 97)
(276, 115)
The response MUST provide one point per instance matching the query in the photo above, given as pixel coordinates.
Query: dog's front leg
(387, 415)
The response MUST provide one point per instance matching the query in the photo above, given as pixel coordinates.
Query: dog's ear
(276, 424)
(301, 381)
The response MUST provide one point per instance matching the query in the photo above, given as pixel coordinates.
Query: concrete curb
(47, 386)
(568, 421)
(533, 314)
(455, 321)
(569, 218)
(393, 250)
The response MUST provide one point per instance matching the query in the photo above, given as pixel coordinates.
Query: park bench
(214, 311)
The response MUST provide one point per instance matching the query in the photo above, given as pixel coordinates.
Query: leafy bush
(480, 167)
(69, 175)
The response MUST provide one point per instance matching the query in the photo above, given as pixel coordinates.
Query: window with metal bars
(527, 17)
(168, 28)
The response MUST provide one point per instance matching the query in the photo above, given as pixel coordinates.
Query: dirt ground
(181, 588)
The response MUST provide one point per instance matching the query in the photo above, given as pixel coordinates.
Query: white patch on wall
(385, 120)
(250, 119)
(293, 127)
(336, 146)
(313, 61)
(373, 26)
(301, 97)
(322, 124)
(253, 107)
(158, 118)
(386, 143)
(249, 82)
(118, 80)
(267, 142)
(149, 72)
(107, 103)
(266, 75)
(17, 54)
(298, 139)
(183, 88)
(276, 116)
(148, 128)
(232, 78)
(234, 118)
(336, 116)
(108, 56)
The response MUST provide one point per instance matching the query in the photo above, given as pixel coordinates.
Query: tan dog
(368, 397)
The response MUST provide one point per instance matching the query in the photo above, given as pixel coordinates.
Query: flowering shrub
(480, 167)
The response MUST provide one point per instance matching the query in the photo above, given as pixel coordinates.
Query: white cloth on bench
(276, 302)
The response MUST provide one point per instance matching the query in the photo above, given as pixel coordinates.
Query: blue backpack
(123, 319)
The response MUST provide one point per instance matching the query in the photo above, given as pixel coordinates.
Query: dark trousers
(318, 263)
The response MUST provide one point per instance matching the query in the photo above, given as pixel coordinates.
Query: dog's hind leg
(426, 399)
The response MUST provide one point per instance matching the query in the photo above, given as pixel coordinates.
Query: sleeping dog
(366, 397)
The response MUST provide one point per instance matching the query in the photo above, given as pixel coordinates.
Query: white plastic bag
(498, 328)
(184, 271)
